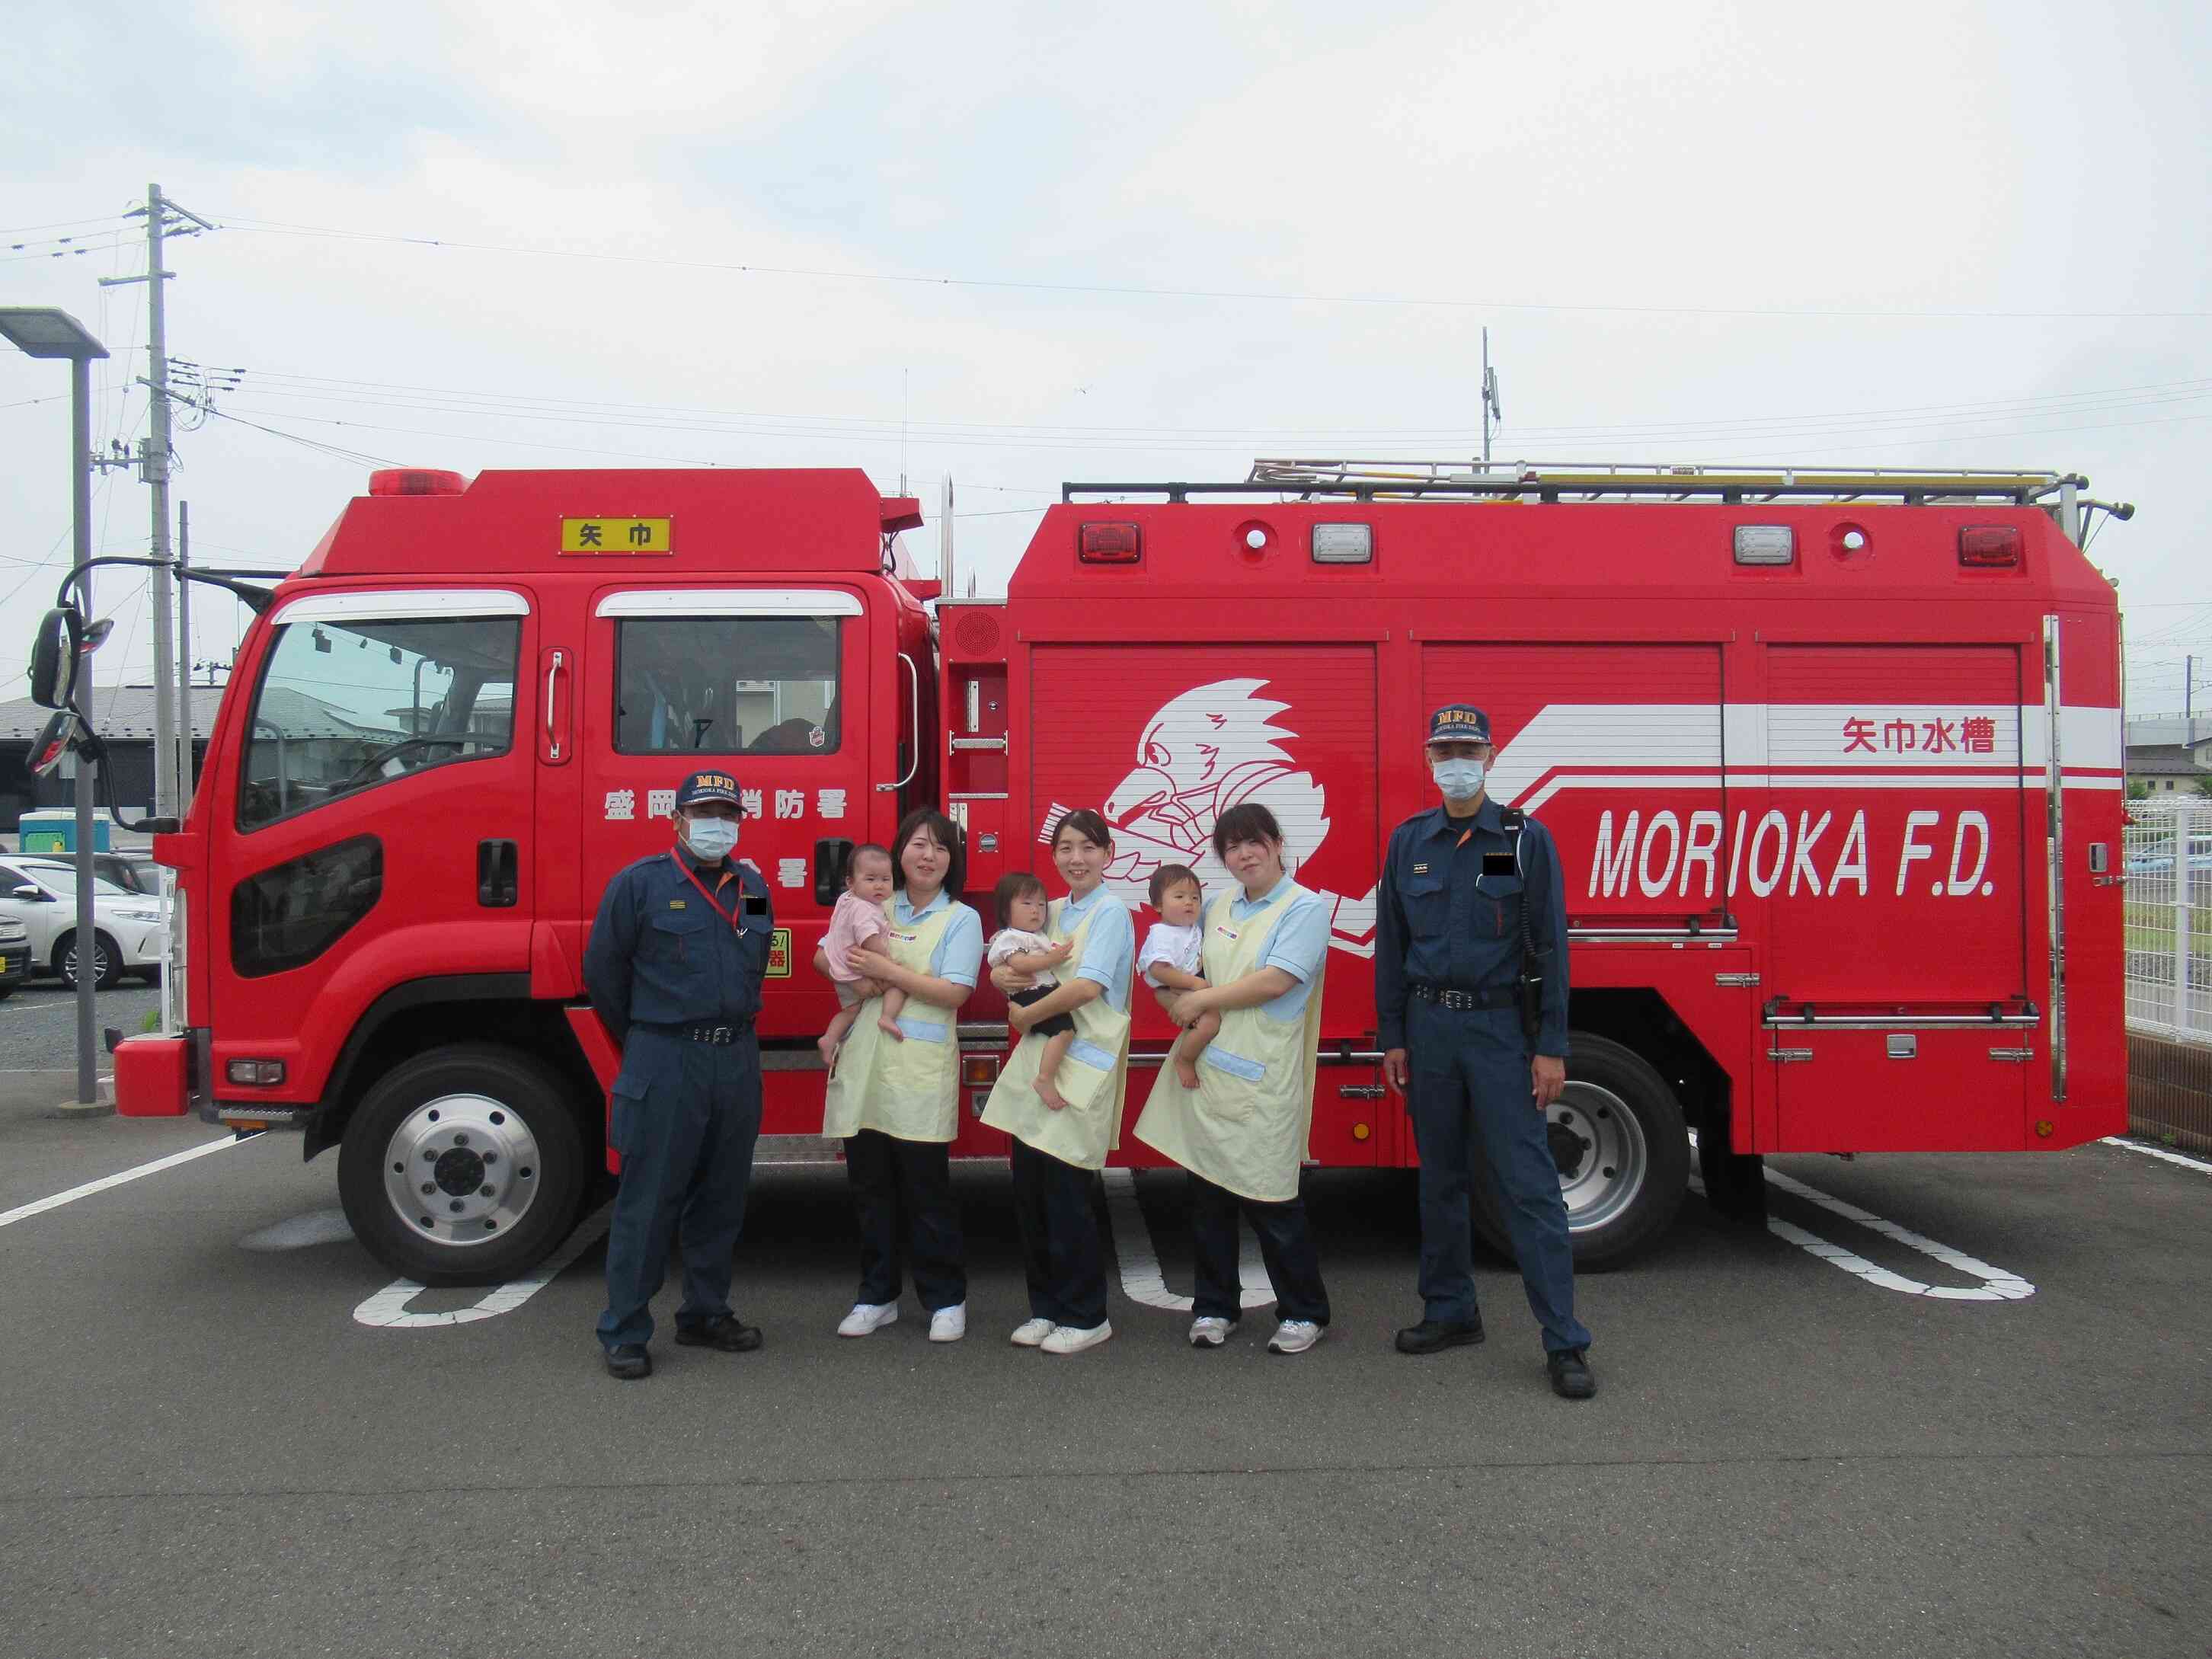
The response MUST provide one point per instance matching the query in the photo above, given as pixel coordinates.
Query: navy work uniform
(674, 970)
(1448, 956)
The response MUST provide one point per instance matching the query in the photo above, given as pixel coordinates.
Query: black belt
(721, 1037)
(1461, 1001)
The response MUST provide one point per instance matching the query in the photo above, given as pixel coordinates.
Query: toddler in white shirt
(1169, 960)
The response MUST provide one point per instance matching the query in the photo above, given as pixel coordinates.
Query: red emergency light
(1990, 546)
(415, 481)
(1110, 544)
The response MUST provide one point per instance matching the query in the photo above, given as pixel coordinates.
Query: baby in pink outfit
(859, 919)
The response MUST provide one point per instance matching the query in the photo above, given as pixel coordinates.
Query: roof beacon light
(1990, 546)
(1109, 543)
(415, 481)
(1344, 544)
(1764, 543)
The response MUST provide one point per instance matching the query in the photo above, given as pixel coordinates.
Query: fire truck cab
(1832, 761)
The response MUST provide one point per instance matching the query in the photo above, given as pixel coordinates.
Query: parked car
(134, 873)
(15, 956)
(132, 936)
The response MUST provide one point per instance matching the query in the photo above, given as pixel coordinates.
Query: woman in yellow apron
(894, 1101)
(1241, 1133)
(1056, 1150)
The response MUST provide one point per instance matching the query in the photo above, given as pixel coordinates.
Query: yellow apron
(1245, 1127)
(1093, 1076)
(911, 1090)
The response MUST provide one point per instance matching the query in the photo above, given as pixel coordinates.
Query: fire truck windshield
(343, 706)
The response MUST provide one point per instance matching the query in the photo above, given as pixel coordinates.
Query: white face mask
(711, 838)
(1460, 779)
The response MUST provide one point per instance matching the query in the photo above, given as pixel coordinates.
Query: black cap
(708, 786)
(1459, 722)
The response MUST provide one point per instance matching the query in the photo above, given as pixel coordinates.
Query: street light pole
(40, 331)
(88, 933)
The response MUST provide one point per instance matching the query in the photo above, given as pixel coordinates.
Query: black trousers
(1061, 1255)
(1287, 1246)
(902, 1196)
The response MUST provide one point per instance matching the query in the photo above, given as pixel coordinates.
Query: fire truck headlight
(261, 1073)
(1764, 543)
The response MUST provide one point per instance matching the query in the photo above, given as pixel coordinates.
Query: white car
(132, 934)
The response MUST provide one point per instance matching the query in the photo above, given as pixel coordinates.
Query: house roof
(126, 712)
(2160, 760)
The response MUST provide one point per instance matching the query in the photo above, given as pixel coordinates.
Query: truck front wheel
(463, 1166)
(1623, 1153)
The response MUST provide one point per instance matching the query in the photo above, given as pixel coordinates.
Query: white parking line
(2160, 1153)
(387, 1308)
(1141, 1279)
(24, 1212)
(1996, 1286)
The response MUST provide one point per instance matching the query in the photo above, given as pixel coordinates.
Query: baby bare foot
(1186, 1072)
(889, 1027)
(828, 1046)
(1051, 1097)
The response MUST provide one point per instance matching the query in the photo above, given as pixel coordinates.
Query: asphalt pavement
(232, 1433)
(38, 1022)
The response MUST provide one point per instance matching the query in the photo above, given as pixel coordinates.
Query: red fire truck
(1833, 761)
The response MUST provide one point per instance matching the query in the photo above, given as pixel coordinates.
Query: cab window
(346, 706)
(727, 685)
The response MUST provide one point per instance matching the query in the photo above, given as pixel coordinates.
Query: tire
(106, 960)
(1622, 1150)
(466, 1121)
(6, 991)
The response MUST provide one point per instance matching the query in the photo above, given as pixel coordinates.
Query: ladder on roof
(1633, 481)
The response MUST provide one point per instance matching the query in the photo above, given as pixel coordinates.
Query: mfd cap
(708, 786)
(1459, 722)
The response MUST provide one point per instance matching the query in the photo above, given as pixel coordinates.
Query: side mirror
(59, 737)
(54, 652)
(27, 891)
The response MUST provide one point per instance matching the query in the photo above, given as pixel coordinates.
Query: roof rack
(1372, 480)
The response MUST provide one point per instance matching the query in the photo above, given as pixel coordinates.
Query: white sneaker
(867, 1318)
(1065, 1339)
(1294, 1336)
(949, 1324)
(1031, 1333)
(1210, 1332)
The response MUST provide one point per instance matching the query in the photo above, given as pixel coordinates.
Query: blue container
(53, 829)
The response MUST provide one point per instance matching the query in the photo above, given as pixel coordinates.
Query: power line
(2171, 392)
(264, 227)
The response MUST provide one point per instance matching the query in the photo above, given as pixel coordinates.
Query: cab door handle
(497, 885)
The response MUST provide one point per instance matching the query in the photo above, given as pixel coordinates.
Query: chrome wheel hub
(1602, 1156)
(461, 1169)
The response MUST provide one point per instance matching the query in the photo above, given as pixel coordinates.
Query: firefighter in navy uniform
(674, 968)
(1469, 911)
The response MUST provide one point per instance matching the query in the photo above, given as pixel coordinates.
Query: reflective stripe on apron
(1093, 1077)
(1245, 1127)
(910, 1090)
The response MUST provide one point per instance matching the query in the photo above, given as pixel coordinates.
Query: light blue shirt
(959, 953)
(1109, 950)
(1299, 945)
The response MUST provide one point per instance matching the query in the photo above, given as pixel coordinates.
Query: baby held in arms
(859, 919)
(1169, 961)
(1020, 943)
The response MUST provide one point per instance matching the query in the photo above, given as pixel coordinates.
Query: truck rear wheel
(1623, 1152)
(463, 1166)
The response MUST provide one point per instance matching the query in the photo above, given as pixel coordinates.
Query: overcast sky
(1923, 234)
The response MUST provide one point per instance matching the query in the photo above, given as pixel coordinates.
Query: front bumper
(15, 962)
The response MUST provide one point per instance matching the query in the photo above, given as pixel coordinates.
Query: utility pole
(154, 458)
(1490, 405)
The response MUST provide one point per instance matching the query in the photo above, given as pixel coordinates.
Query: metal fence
(2167, 866)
